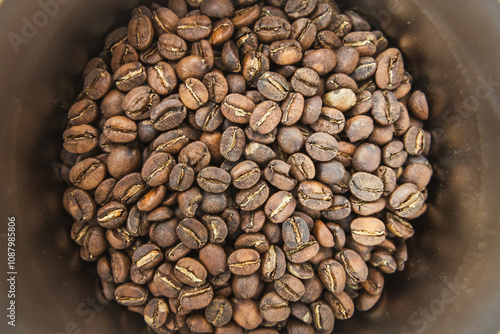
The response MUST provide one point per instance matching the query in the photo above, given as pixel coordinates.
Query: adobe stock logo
(31, 25)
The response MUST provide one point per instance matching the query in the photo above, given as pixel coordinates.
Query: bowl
(451, 283)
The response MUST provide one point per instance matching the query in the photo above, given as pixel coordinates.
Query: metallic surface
(451, 284)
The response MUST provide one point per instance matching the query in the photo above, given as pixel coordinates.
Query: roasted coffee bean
(273, 264)
(190, 272)
(79, 204)
(246, 313)
(292, 108)
(418, 105)
(129, 76)
(152, 199)
(383, 261)
(252, 221)
(266, 117)
(196, 155)
(130, 294)
(363, 41)
(111, 104)
(273, 86)
(237, 108)
(390, 69)
(80, 139)
(341, 305)
(289, 287)
(217, 8)
(213, 256)
(189, 201)
(216, 85)
(253, 197)
(358, 128)
(245, 287)
(112, 215)
(172, 47)
(232, 143)
(147, 256)
(302, 253)
(194, 298)
(192, 233)
(246, 40)
(94, 243)
(194, 28)
(214, 203)
(303, 271)
(83, 112)
(155, 313)
(130, 188)
(340, 80)
(272, 28)
(254, 65)
(416, 141)
(296, 9)
(323, 318)
(192, 67)
(305, 81)
(290, 139)
(368, 231)
(162, 78)
(285, 52)
(277, 173)
(385, 109)
(302, 167)
(418, 174)
(256, 241)
(366, 186)
(259, 153)
(280, 206)
(245, 174)
(97, 84)
(140, 32)
(321, 146)
(193, 93)
(122, 54)
(355, 268)
(123, 160)
(366, 158)
(181, 177)
(88, 174)
(322, 16)
(213, 179)
(222, 32)
(168, 115)
(327, 39)
(312, 110)
(332, 275)
(274, 308)
(295, 232)
(219, 312)
(322, 61)
(406, 201)
(394, 154)
(244, 261)
(304, 31)
(138, 103)
(342, 99)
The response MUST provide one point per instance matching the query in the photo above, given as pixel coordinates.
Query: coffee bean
(190, 272)
(274, 308)
(192, 233)
(213, 179)
(246, 313)
(244, 261)
(332, 275)
(265, 117)
(304, 31)
(362, 41)
(140, 32)
(289, 287)
(259, 153)
(130, 294)
(237, 108)
(292, 108)
(366, 186)
(273, 263)
(252, 221)
(271, 28)
(194, 28)
(80, 139)
(155, 313)
(368, 231)
(181, 177)
(79, 204)
(305, 81)
(273, 86)
(418, 174)
(194, 298)
(321, 146)
(130, 76)
(83, 112)
(253, 197)
(219, 312)
(341, 99)
(88, 174)
(232, 143)
(245, 174)
(277, 173)
(302, 253)
(172, 47)
(303, 271)
(296, 9)
(312, 110)
(416, 141)
(147, 256)
(260, 138)
(302, 167)
(355, 268)
(341, 305)
(112, 215)
(406, 200)
(383, 261)
(196, 155)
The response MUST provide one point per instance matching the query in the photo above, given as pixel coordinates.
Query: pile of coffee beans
(245, 166)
